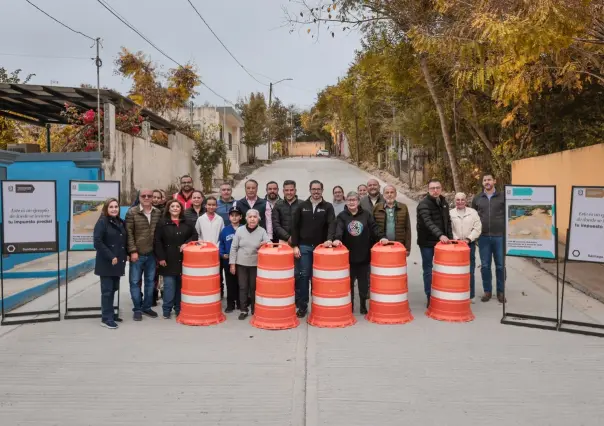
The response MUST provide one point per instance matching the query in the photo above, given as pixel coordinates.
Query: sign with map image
(86, 201)
(530, 221)
(586, 229)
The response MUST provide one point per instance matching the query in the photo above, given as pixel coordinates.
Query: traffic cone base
(211, 315)
(450, 311)
(275, 318)
(331, 317)
(389, 313)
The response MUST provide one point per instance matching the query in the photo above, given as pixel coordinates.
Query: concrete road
(423, 373)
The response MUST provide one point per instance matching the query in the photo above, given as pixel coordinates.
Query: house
(228, 120)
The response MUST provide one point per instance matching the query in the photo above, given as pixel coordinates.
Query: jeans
(246, 275)
(171, 294)
(232, 287)
(472, 268)
(360, 273)
(303, 277)
(109, 285)
(144, 265)
(427, 264)
(491, 248)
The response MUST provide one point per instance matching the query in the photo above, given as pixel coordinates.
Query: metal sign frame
(55, 312)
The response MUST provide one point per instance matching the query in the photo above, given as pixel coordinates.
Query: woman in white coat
(466, 227)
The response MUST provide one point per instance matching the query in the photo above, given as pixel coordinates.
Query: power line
(226, 48)
(59, 22)
(133, 28)
(25, 55)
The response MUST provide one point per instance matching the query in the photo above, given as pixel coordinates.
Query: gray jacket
(368, 206)
(244, 249)
(491, 213)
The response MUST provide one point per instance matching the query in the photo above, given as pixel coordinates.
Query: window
(221, 135)
(230, 141)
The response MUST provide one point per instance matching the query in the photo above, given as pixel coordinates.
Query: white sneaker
(472, 300)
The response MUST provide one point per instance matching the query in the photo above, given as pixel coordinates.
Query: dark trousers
(246, 276)
(232, 287)
(109, 285)
(303, 273)
(360, 273)
(427, 265)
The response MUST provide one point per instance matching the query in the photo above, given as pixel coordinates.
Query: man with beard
(490, 206)
(283, 213)
(272, 196)
(373, 196)
(186, 192)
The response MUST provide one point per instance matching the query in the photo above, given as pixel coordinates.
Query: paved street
(423, 373)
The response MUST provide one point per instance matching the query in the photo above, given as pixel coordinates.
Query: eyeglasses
(146, 196)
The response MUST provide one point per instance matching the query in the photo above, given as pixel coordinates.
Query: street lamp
(270, 101)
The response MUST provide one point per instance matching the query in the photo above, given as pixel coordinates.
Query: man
(140, 224)
(433, 226)
(362, 190)
(313, 224)
(393, 218)
(186, 191)
(252, 201)
(272, 196)
(373, 196)
(490, 206)
(225, 202)
(357, 230)
(283, 213)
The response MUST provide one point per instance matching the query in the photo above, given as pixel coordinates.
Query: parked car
(322, 153)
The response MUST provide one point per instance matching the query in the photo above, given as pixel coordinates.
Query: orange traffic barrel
(388, 302)
(450, 294)
(200, 296)
(331, 302)
(275, 307)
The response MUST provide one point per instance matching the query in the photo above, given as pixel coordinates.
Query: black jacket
(358, 233)
(259, 205)
(282, 215)
(368, 206)
(168, 239)
(433, 221)
(313, 228)
(110, 241)
(191, 215)
(491, 213)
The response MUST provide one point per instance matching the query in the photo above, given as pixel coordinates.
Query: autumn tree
(11, 130)
(253, 110)
(210, 150)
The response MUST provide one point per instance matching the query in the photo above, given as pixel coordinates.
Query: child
(226, 239)
(209, 224)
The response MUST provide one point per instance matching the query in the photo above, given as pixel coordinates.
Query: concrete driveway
(426, 372)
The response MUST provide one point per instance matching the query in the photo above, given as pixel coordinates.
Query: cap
(234, 209)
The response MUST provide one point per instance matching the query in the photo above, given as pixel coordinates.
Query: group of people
(155, 231)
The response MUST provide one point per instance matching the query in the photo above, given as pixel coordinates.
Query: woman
(357, 231)
(243, 258)
(110, 244)
(158, 200)
(338, 200)
(171, 235)
(197, 208)
(466, 227)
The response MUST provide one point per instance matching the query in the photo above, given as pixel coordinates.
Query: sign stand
(562, 322)
(76, 313)
(519, 319)
(53, 312)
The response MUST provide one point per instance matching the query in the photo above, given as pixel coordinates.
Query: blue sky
(249, 28)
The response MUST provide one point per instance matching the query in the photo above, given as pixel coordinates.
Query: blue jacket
(225, 241)
(223, 209)
(110, 241)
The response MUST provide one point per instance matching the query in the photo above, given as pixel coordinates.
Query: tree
(11, 130)
(209, 152)
(254, 113)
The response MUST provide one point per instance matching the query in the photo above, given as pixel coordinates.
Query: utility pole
(291, 138)
(191, 112)
(99, 64)
(356, 124)
(270, 120)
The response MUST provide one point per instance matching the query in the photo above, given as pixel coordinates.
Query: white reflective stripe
(201, 272)
(452, 270)
(200, 300)
(445, 295)
(388, 272)
(388, 298)
(275, 274)
(330, 275)
(275, 301)
(331, 301)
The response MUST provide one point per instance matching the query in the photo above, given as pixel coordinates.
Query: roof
(43, 105)
(231, 111)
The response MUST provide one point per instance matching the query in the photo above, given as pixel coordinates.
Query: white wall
(262, 152)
